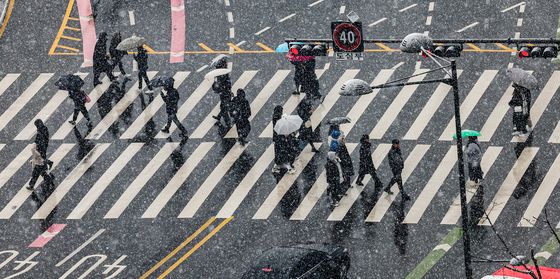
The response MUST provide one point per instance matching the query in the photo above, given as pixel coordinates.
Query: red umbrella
(293, 58)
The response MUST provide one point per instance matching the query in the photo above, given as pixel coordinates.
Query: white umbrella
(218, 59)
(131, 43)
(522, 78)
(216, 73)
(288, 124)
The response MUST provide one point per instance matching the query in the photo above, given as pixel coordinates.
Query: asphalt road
(116, 183)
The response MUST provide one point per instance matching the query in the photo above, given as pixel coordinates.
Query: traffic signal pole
(508, 41)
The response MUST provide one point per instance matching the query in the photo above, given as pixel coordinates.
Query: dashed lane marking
(288, 17)
(131, 17)
(467, 27)
(342, 9)
(315, 3)
(407, 8)
(262, 31)
(521, 5)
(377, 22)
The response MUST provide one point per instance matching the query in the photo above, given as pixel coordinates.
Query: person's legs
(378, 183)
(179, 125)
(37, 170)
(121, 67)
(85, 113)
(401, 188)
(139, 79)
(360, 178)
(169, 120)
(96, 75)
(388, 187)
(145, 76)
(74, 116)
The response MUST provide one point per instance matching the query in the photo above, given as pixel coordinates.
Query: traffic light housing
(537, 51)
(297, 49)
(448, 50)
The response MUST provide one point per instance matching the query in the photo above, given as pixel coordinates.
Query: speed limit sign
(347, 36)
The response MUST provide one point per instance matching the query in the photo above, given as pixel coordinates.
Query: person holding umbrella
(241, 111)
(366, 163)
(305, 110)
(286, 142)
(171, 99)
(222, 86)
(79, 98)
(100, 63)
(474, 156)
(116, 55)
(276, 115)
(142, 59)
(396, 163)
(39, 168)
(520, 106)
(42, 141)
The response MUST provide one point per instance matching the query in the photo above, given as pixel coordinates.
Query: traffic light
(453, 50)
(537, 51)
(308, 49)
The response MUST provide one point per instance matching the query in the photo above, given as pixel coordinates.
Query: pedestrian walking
(171, 99)
(474, 156)
(222, 86)
(298, 75)
(520, 103)
(42, 141)
(39, 168)
(241, 111)
(305, 110)
(366, 163)
(100, 60)
(396, 163)
(345, 161)
(335, 177)
(79, 98)
(276, 115)
(116, 55)
(142, 60)
(310, 83)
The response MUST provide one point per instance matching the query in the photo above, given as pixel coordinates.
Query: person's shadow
(39, 196)
(530, 175)
(401, 229)
(84, 145)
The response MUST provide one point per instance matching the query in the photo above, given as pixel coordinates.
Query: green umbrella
(467, 133)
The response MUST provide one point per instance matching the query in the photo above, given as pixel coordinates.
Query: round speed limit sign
(347, 37)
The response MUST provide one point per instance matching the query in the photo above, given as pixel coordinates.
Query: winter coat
(222, 86)
(282, 150)
(474, 153)
(142, 60)
(276, 115)
(100, 53)
(171, 99)
(78, 97)
(241, 111)
(299, 72)
(42, 141)
(333, 170)
(36, 158)
(304, 111)
(519, 100)
(396, 161)
(366, 163)
(116, 54)
(345, 161)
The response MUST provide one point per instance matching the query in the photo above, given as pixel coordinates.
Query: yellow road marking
(383, 46)
(72, 28)
(205, 47)
(62, 27)
(236, 48)
(68, 48)
(505, 47)
(176, 250)
(148, 48)
(473, 46)
(73, 18)
(7, 18)
(265, 47)
(198, 245)
(71, 38)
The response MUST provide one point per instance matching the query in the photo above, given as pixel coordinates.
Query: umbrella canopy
(522, 78)
(216, 73)
(288, 124)
(70, 81)
(339, 120)
(298, 58)
(467, 133)
(219, 59)
(160, 81)
(131, 43)
(284, 47)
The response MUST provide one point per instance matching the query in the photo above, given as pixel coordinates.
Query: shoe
(29, 187)
(291, 171)
(275, 169)
(295, 93)
(336, 204)
(389, 192)
(529, 128)
(359, 183)
(516, 133)
(89, 124)
(184, 136)
(216, 117)
(50, 164)
(165, 130)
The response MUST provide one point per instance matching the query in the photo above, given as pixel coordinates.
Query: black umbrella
(339, 120)
(160, 81)
(69, 82)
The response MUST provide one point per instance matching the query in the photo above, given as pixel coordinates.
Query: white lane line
(429, 191)
(14, 165)
(396, 107)
(418, 65)
(288, 17)
(117, 110)
(315, 3)
(23, 99)
(241, 43)
(331, 98)
(454, 212)
(262, 31)
(64, 187)
(131, 17)
(365, 101)
(522, 8)
(66, 127)
(377, 22)
(542, 195)
(467, 27)
(7, 81)
(514, 6)
(19, 199)
(510, 65)
(262, 98)
(209, 121)
(429, 110)
(212, 181)
(141, 180)
(496, 206)
(407, 8)
(342, 9)
(188, 105)
(59, 97)
(92, 238)
(539, 106)
(202, 68)
(226, 2)
(103, 182)
(316, 192)
(431, 6)
(250, 179)
(178, 179)
(385, 200)
(429, 20)
(231, 33)
(397, 65)
(2, 145)
(230, 17)
(470, 102)
(149, 112)
(519, 22)
(353, 193)
(426, 33)
(327, 66)
(517, 35)
(284, 185)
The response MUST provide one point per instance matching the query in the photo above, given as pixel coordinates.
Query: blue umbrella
(284, 47)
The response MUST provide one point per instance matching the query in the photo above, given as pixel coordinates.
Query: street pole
(461, 168)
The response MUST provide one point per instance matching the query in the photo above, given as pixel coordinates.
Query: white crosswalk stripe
(8, 80)
(15, 165)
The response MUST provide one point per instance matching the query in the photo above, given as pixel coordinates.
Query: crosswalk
(416, 114)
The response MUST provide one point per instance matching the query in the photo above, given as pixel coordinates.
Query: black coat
(100, 55)
(345, 161)
(396, 161)
(222, 86)
(304, 111)
(78, 97)
(241, 111)
(142, 60)
(366, 163)
(113, 51)
(333, 176)
(171, 99)
(42, 141)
